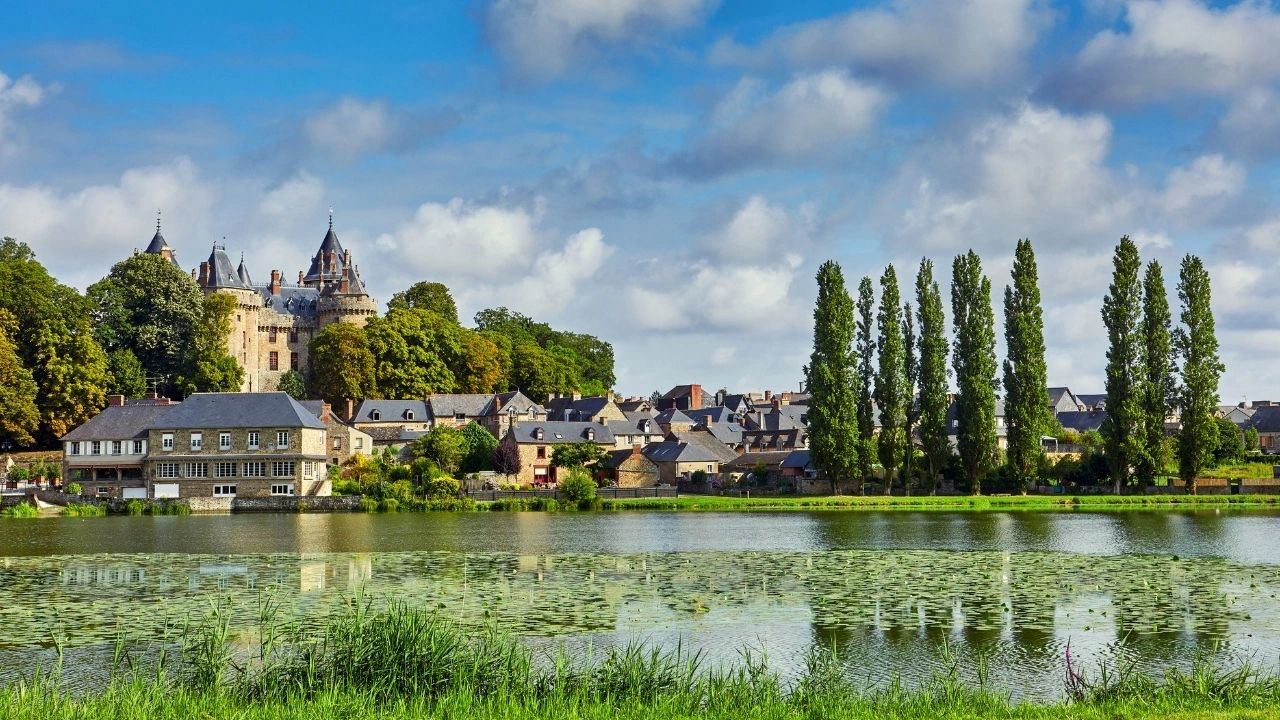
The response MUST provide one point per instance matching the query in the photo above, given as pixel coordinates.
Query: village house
(586, 409)
(1266, 420)
(236, 444)
(681, 397)
(687, 452)
(535, 441)
(638, 428)
(391, 424)
(490, 410)
(107, 453)
(674, 421)
(629, 468)
(342, 439)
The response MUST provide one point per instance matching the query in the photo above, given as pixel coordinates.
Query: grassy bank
(924, 502)
(408, 663)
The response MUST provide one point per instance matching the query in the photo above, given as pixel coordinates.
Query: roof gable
(239, 410)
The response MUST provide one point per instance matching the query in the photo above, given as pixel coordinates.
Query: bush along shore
(402, 662)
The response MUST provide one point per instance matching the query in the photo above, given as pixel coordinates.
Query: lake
(890, 590)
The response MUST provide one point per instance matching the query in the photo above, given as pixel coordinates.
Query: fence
(602, 493)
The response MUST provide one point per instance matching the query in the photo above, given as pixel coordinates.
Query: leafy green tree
(1251, 439)
(829, 378)
(150, 307)
(1122, 316)
(444, 445)
(19, 416)
(209, 367)
(479, 366)
(577, 486)
(1157, 387)
(293, 384)
(431, 296)
(933, 374)
(128, 377)
(413, 351)
(864, 351)
(538, 372)
(55, 343)
(911, 364)
(1197, 345)
(1026, 376)
(974, 360)
(480, 446)
(579, 454)
(1231, 444)
(891, 379)
(592, 359)
(341, 364)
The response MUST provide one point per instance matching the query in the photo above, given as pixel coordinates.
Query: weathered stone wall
(326, 504)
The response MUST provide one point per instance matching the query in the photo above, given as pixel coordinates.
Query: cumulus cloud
(541, 39)
(757, 232)
(555, 277)
(904, 41)
(810, 119)
(1199, 189)
(1171, 49)
(354, 127)
(15, 96)
(1251, 125)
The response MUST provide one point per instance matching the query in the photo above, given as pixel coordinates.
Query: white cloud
(1173, 48)
(904, 41)
(353, 127)
(540, 39)
(1251, 125)
(465, 240)
(555, 278)
(812, 118)
(1199, 189)
(757, 232)
(16, 95)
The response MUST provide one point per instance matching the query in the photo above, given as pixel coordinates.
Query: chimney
(204, 273)
(695, 397)
(350, 410)
(195, 276)
(115, 400)
(635, 449)
(777, 403)
(299, 277)
(153, 395)
(497, 404)
(706, 420)
(275, 282)
(768, 395)
(604, 421)
(343, 285)
(324, 413)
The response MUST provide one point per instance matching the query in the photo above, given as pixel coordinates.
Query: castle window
(293, 361)
(293, 335)
(273, 359)
(271, 335)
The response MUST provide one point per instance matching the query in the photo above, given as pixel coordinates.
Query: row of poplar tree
(891, 358)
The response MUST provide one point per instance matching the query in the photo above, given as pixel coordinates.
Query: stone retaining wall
(300, 504)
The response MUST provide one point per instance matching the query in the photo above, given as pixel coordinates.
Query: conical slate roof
(243, 273)
(221, 272)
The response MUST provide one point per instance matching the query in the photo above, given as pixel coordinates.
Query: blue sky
(666, 174)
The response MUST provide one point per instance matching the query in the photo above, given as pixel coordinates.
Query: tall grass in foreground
(21, 510)
(407, 663)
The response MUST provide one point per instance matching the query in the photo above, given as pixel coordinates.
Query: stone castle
(274, 322)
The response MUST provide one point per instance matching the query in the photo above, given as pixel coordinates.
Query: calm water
(887, 589)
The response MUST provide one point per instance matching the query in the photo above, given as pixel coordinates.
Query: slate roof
(558, 432)
(797, 459)
(446, 405)
(519, 401)
(672, 451)
(120, 422)
(776, 439)
(667, 417)
(292, 300)
(718, 413)
(728, 433)
(581, 409)
(1061, 398)
(746, 462)
(634, 424)
(238, 410)
(774, 420)
(707, 442)
(1266, 419)
(1081, 420)
(159, 245)
(1093, 401)
(330, 244)
(391, 412)
(222, 274)
(614, 458)
(242, 272)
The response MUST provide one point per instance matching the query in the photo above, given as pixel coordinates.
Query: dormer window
(591, 434)
(644, 426)
(408, 414)
(538, 434)
(375, 415)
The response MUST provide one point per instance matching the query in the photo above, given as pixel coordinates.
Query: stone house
(629, 469)
(638, 428)
(1266, 420)
(237, 444)
(535, 441)
(107, 453)
(491, 411)
(674, 421)
(687, 452)
(342, 439)
(585, 409)
(744, 467)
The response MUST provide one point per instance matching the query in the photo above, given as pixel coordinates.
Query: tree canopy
(431, 296)
(341, 366)
(829, 378)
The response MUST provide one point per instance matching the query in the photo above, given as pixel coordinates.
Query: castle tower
(158, 246)
(343, 297)
(217, 275)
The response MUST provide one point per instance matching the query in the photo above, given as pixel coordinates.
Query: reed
(21, 510)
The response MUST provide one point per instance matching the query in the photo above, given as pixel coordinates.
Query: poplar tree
(829, 378)
(891, 378)
(933, 374)
(1026, 399)
(864, 351)
(1122, 315)
(974, 360)
(912, 367)
(1157, 364)
(1197, 345)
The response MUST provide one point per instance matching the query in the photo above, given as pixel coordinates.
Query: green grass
(407, 663)
(924, 502)
(1243, 471)
(84, 510)
(21, 510)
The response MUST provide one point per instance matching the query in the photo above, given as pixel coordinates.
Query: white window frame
(337, 443)
(253, 440)
(117, 447)
(95, 447)
(282, 490)
(282, 439)
(167, 470)
(224, 490)
(225, 469)
(197, 440)
(278, 465)
(196, 470)
(166, 441)
(308, 469)
(224, 441)
(139, 447)
(359, 443)
(73, 448)
(255, 469)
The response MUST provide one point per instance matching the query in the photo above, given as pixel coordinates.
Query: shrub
(21, 510)
(19, 474)
(389, 505)
(135, 507)
(577, 486)
(441, 486)
(84, 510)
(368, 504)
(75, 488)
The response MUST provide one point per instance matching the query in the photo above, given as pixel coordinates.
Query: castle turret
(158, 245)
